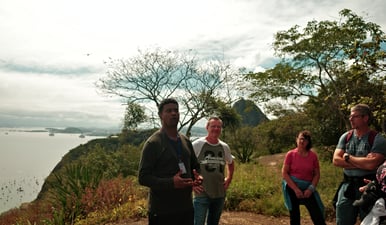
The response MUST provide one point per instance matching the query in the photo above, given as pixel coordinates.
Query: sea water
(26, 159)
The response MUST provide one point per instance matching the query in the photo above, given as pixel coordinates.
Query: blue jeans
(346, 213)
(211, 206)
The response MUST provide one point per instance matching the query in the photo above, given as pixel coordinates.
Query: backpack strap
(371, 136)
(349, 134)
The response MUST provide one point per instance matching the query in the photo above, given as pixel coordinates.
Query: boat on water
(82, 136)
(51, 134)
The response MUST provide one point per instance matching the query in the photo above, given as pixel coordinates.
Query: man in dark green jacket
(170, 169)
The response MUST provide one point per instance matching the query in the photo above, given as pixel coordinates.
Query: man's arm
(228, 179)
(339, 161)
(147, 172)
(371, 162)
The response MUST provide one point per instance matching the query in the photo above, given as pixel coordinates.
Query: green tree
(134, 115)
(276, 136)
(156, 74)
(333, 64)
(243, 143)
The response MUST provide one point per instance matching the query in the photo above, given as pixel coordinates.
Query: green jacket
(158, 165)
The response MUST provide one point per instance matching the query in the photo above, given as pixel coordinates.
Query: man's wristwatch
(346, 157)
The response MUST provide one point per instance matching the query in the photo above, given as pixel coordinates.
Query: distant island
(76, 130)
(197, 131)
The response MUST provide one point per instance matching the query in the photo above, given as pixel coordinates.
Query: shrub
(116, 199)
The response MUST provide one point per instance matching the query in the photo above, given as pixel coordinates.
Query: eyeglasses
(355, 116)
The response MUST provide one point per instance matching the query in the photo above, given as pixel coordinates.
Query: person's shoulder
(291, 152)
(199, 140)
(223, 143)
(184, 137)
(156, 136)
(346, 136)
(185, 140)
(313, 152)
(379, 137)
(347, 133)
(289, 155)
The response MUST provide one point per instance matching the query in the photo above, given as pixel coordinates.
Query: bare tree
(157, 74)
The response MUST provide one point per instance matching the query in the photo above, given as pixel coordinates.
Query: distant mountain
(250, 113)
(84, 131)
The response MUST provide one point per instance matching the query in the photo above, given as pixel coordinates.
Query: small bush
(113, 200)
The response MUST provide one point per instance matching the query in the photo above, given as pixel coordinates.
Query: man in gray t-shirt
(214, 156)
(359, 159)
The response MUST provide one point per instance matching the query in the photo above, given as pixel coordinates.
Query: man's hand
(363, 188)
(198, 179)
(198, 189)
(197, 184)
(180, 182)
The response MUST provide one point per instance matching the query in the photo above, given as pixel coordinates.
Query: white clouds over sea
(52, 51)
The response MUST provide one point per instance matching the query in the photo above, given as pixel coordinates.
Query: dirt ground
(241, 218)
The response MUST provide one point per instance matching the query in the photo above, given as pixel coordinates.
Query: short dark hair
(364, 110)
(164, 102)
(307, 135)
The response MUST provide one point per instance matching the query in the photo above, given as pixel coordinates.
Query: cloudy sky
(52, 51)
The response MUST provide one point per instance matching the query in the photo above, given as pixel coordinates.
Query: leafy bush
(68, 189)
(113, 200)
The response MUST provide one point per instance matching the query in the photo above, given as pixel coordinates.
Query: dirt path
(238, 218)
(241, 218)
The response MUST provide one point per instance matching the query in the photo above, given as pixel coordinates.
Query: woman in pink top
(300, 177)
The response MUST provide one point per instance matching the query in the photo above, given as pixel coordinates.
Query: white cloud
(53, 51)
(62, 100)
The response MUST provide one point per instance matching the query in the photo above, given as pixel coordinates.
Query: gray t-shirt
(212, 160)
(360, 147)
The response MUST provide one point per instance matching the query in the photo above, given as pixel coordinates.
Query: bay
(26, 159)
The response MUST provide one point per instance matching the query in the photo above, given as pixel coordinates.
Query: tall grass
(112, 200)
(257, 188)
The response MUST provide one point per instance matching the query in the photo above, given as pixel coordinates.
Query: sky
(52, 52)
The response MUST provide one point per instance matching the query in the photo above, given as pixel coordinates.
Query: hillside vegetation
(96, 183)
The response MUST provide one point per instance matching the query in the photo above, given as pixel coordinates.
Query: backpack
(370, 139)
